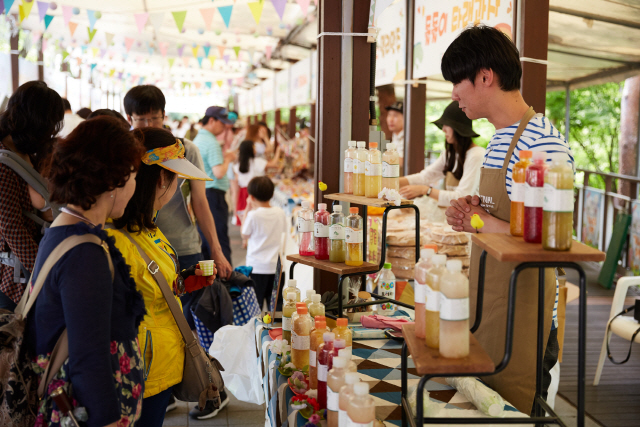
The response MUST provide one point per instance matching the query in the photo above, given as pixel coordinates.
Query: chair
(623, 326)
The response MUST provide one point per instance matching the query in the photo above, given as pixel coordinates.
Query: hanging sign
(437, 24)
(300, 82)
(391, 45)
(28, 71)
(282, 89)
(591, 216)
(257, 99)
(268, 95)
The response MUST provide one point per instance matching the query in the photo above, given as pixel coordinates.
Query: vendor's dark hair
(481, 47)
(139, 212)
(457, 152)
(267, 127)
(33, 118)
(245, 154)
(66, 103)
(143, 100)
(84, 113)
(97, 157)
(261, 188)
(110, 113)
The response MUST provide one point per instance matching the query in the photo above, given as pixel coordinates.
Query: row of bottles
(290, 308)
(542, 200)
(367, 172)
(330, 236)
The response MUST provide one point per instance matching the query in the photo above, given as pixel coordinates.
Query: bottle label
(348, 165)
(353, 236)
(312, 358)
(390, 171)
(321, 230)
(333, 400)
(354, 424)
(419, 292)
(372, 169)
(533, 196)
(322, 372)
(454, 308)
(518, 190)
(349, 349)
(433, 299)
(358, 166)
(300, 342)
(336, 232)
(286, 324)
(343, 418)
(388, 288)
(557, 200)
(304, 225)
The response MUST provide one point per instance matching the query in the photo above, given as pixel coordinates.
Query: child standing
(263, 226)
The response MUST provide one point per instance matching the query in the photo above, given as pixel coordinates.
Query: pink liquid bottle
(321, 232)
(534, 198)
(305, 230)
(325, 363)
(338, 345)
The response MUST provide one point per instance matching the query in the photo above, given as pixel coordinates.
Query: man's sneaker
(172, 404)
(208, 411)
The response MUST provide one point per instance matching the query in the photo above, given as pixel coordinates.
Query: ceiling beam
(589, 15)
(581, 55)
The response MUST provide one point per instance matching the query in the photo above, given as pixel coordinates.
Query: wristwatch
(429, 191)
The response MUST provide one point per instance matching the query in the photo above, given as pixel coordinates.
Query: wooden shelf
(332, 267)
(506, 248)
(361, 200)
(428, 360)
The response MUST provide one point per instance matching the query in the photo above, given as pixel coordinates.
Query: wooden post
(263, 118)
(361, 77)
(533, 44)
(40, 62)
(312, 133)
(629, 132)
(15, 63)
(292, 122)
(276, 126)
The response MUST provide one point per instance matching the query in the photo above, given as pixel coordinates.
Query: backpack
(19, 388)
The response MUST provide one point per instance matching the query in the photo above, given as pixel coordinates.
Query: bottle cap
(426, 253)
(305, 205)
(303, 309)
(362, 144)
(317, 318)
(337, 208)
(539, 156)
(340, 343)
(291, 295)
(431, 246)
(342, 321)
(292, 283)
(315, 298)
(320, 324)
(351, 378)
(300, 304)
(391, 146)
(343, 352)
(361, 389)
(328, 336)
(310, 293)
(353, 210)
(387, 266)
(454, 265)
(322, 206)
(525, 154)
(339, 362)
(351, 143)
(439, 259)
(373, 145)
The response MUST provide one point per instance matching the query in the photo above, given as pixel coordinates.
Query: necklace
(76, 214)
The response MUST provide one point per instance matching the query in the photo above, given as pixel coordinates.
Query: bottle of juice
(454, 312)
(325, 363)
(316, 308)
(305, 230)
(387, 289)
(353, 235)
(557, 209)
(518, 192)
(295, 315)
(292, 286)
(310, 293)
(391, 168)
(432, 301)
(362, 410)
(373, 171)
(315, 340)
(534, 198)
(343, 332)
(338, 249)
(420, 288)
(300, 340)
(338, 344)
(358, 169)
(321, 232)
(351, 366)
(335, 381)
(287, 310)
(346, 393)
(349, 155)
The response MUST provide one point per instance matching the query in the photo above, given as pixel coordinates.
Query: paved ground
(236, 413)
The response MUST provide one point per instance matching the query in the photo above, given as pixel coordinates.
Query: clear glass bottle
(454, 312)
(349, 155)
(335, 381)
(343, 332)
(387, 289)
(338, 248)
(346, 393)
(420, 288)
(314, 342)
(292, 286)
(321, 232)
(351, 366)
(325, 363)
(300, 340)
(358, 169)
(305, 230)
(557, 210)
(518, 192)
(391, 168)
(353, 235)
(534, 198)
(373, 171)
(362, 410)
(432, 301)
(287, 311)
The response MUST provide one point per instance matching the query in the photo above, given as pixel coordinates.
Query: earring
(112, 195)
(164, 186)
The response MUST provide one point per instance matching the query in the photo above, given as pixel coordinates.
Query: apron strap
(516, 136)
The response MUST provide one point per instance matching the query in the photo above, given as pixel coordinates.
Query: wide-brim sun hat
(454, 117)
(172, 158)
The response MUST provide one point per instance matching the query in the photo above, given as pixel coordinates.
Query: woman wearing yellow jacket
(159, 337)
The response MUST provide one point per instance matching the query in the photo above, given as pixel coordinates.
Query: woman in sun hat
(459, 165)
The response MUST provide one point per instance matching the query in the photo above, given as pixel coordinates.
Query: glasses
(149, 121)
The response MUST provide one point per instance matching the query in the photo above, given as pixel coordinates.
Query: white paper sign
(268, 95)
(391, 44)
(282, 89)
(300, 82)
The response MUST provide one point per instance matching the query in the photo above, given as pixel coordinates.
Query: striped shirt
(211, 152)
(539, 135)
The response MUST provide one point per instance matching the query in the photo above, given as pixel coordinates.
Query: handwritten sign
(282, 89)
(256, 95)
(391, 45)
(300, 82)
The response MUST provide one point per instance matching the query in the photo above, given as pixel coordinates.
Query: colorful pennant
(225, 12)
(304, 5)
(221, 50)
(279, 5)
(207, 16)
(25, 10)
(206, 49)
(171, 60)
(195, 50)
(256, 10)
(141, 20)
(42, 9)
(47, 21)
(180, 50)
(179, 18)
(109, 38)
(268, 50)
(72, 27)
(7, 6)
(200, 61)
(156, 20)
(128, 43)
(236, 49)
(93, 17)
(67, 11)
(91, 33)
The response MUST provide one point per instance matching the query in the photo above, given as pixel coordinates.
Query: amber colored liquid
(344, 333)
(373, 185)
(302, 328)
(517, 208)
(454, 335)
(557, 227)
(354, 254)
(358, 184)
(432, 317)
(287, 311)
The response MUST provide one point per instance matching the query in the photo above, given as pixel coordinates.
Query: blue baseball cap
(219, 113)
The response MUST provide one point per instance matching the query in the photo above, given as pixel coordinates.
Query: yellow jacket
(159, 336)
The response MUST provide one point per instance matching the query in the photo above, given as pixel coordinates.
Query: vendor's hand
(464, 204)
(413, 191)
(462, 221)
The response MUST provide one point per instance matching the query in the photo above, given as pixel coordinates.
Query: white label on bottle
(420, 292)
(348, 165)
(300, 342)
(286, 324)
(557, 200)
(354, 424)
(518, 190)
(343, 418)
(358, 166)
(433, 299)
(336, 232)
(454, 308)
(321, 230)
(312, 358)
(322, 372)
(349, 349)
(533, 196)
(353, 236)
(390, 171)
(333, 400)
(304, 225)
(372, 169)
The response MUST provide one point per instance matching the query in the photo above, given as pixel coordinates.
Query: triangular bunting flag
(221, 50)
(64, 55)
(128, 42)
(25, 10)
(206, 50)
(109, 38)
(208, 85)
(279, 5)
(268, 52)
(179, 18)
(236, 49)
(212, 59)
(256, 10)
(184, 85)
(207, 16)
(163, 48)
(112, 72)
(171, 60)
(180, 50)
(226, 59)
(219, 82)
(141, 20)
(230, 82)
(156, 20)
(72, 27)
(67, 11)
(185, 61)
(93, 17)
(225, 12)
(92, 33)
(7, 6)
(47, 21)
(304, 5)
(194, 50)
(42, 9)
(93, 66)
(200, 61)
(95, 51)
